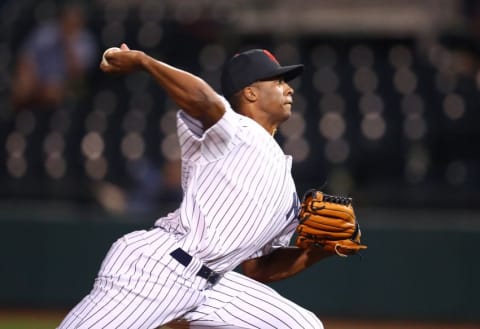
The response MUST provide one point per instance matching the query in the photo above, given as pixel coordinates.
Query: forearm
(188, 91)
(283, 263)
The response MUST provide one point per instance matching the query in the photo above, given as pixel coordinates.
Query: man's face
(275, 98)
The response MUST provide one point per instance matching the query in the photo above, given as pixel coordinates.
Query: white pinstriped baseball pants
(140, 285)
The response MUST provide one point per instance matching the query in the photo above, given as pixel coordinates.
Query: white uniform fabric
(239, 203)
(240, 200)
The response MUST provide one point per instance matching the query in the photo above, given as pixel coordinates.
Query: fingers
(111, 51)
(105, 67)
(110, 58)
(120, 60)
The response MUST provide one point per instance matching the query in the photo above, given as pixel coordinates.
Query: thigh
(240, 302)
(139, 285)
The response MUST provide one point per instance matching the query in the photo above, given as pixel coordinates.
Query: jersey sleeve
(201, 145)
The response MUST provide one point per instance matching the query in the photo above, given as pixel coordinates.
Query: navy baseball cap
(245, 68)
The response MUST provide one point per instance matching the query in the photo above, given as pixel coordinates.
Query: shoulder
(229, 120)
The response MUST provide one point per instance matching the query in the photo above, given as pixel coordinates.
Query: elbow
(252, 274)
(253, 270)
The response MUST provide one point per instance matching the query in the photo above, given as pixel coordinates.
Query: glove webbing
(329, 198)
(337, 199)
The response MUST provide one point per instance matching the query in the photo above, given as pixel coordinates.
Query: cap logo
(272, 58)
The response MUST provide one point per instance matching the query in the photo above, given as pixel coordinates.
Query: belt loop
(208, 274)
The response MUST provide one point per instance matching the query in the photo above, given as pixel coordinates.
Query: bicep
(207, 106)
(213, 113)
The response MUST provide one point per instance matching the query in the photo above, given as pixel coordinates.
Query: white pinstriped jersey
(240, 200)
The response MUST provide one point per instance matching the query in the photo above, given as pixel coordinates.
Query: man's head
(256, 85)
(253, 65)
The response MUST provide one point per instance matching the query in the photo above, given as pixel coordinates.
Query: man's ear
(250, 93)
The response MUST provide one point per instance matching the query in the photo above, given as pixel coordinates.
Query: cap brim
(287, 72)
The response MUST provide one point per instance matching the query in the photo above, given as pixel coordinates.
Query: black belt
(184, 258)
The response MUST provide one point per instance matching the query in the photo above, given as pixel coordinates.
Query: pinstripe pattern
(230, 211)
(240, 302)
(139, 285)
(239, 203)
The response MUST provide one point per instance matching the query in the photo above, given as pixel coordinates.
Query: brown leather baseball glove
(328, 222)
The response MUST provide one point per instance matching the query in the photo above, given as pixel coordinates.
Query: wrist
(143, 60)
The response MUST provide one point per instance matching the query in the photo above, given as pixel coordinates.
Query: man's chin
(286, 116)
